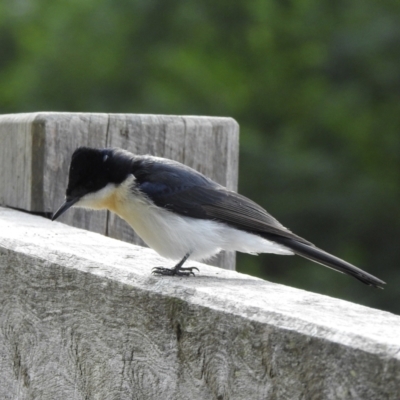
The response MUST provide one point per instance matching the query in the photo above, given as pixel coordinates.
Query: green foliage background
(314, 85)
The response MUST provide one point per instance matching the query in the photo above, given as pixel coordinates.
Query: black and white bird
(180, 213)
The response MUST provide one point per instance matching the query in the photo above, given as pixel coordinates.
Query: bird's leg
(177, 270)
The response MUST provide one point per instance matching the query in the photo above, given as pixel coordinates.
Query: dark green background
(314, 85)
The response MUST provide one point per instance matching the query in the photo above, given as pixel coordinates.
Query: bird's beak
(67, 204)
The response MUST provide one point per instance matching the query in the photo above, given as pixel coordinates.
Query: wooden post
(35, 152)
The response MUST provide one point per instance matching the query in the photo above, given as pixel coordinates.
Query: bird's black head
(88, 172)
(92, 170)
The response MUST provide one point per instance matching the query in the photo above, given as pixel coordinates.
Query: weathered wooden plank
(225, 148)
(82, 318)
(16, 160)
(35, 154)
(35, 180)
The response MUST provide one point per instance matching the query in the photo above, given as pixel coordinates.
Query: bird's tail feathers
(328, 260)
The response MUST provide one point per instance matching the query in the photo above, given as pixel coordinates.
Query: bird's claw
(173, 271)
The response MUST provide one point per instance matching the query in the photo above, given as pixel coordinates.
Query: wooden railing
(82, 317)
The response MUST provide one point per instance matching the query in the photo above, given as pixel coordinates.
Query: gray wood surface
(81, 317)
(36, 149)
(16, 161)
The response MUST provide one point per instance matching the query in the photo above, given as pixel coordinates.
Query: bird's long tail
(328, 260)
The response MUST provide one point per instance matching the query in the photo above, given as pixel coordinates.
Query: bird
(181, 213)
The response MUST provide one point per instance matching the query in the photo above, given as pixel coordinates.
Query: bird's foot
(174, 271)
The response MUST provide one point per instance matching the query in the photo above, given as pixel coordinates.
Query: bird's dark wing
(229, 207)
(188, 193)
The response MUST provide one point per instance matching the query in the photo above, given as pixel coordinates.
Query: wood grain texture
(82, 318)
(16, 160)
(38, 147)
